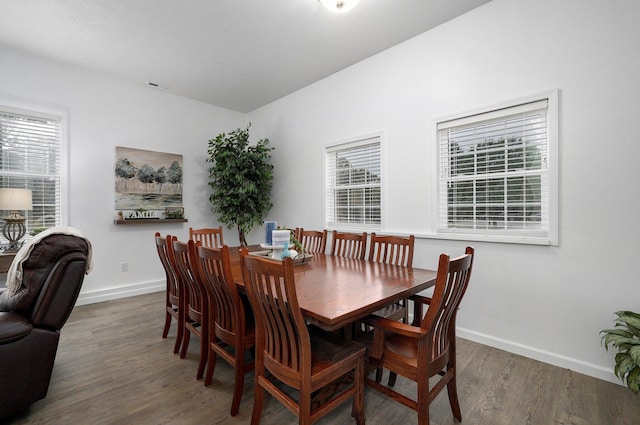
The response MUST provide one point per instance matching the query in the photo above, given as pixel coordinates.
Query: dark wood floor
(113, 367)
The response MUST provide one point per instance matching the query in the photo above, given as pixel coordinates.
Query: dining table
(334, 291)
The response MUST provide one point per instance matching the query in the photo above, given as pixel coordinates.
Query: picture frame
(174, 212)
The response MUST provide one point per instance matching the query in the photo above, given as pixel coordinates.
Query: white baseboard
(115, 293)
(554, 359)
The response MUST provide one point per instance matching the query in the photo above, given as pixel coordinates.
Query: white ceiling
(238, 54)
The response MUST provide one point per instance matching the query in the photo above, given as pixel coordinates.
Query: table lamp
(14, 200)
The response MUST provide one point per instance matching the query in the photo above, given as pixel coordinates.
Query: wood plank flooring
(113, 367)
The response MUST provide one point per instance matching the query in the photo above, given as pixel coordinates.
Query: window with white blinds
(496, 174)
(353, 182)
(30, 158)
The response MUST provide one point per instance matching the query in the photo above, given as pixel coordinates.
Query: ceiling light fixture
(339, 6)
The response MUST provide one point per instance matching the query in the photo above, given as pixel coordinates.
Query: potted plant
(241, 178)
(626, 338)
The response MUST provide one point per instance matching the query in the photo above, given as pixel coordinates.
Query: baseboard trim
(91, 297)
(551, 358)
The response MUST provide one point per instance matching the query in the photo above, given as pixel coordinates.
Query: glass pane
(357, 191)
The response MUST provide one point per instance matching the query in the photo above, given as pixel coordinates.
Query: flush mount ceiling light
(339, 6)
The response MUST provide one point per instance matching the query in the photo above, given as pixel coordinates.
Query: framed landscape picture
(147, 180)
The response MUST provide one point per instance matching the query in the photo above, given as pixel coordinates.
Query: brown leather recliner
(31, 318)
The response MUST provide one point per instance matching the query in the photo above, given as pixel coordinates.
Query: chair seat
(249, 332)
(405, 348)
(326, 354)
(14, 327)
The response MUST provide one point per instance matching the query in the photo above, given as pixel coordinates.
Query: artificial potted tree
(626, 338)
(241, 178)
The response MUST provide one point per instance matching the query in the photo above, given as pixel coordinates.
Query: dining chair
(351, 245)
(287, 352)
(421, 352)
(313, 241)
(209, 237)
(396, 250)
(173, 307)
(196, 309)
(231, 324)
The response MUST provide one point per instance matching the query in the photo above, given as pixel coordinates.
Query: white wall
(548, 303)
(104, 113)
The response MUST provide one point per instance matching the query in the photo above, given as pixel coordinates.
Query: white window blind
(353, 182)
(494, 173)
(30, 158)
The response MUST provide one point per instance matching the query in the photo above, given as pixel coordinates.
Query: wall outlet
(124, 267)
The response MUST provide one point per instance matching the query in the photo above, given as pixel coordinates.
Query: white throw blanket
(14, 275)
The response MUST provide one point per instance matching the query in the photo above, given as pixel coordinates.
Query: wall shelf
(151, 220)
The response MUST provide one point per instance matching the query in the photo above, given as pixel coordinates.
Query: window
(497, 173)
(30, 158)
(353, 183)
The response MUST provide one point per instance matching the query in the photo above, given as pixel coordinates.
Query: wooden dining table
(335, 291)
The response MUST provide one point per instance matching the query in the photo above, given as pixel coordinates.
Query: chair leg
(379, 374)
(423, 413)
(304, 407)
(258, 401)
(423, 405)
(357, 412)
(238, 385)
(167, 324)
(204, 353)
(392, 378)
(211, 366)
(452, 391)
(179, 337)
(185, 344)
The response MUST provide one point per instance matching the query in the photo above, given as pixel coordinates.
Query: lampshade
(15, 199)
(339, 6)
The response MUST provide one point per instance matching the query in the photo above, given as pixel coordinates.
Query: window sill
(542, 241)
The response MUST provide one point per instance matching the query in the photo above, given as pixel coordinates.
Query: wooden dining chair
(396, 250)
(422, 352)
(209, 237)
(288, 353)
(173, 298)
(231, 326)
(196, 309)
(313, 241)
(351, 245)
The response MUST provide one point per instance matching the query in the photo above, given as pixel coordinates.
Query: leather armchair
(31, 318)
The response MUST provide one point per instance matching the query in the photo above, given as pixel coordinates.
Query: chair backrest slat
(164, 246)
(350, 245)
(209, 237)
(392, 249)
(451, 284)
(214, 272)
(183, 254)
(313, 241)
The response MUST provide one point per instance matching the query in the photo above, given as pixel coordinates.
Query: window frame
(37, 110)
(550, 234)
(375, 138)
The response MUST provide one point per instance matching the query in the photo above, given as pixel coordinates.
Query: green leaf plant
(626, 338)
(241, 178)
